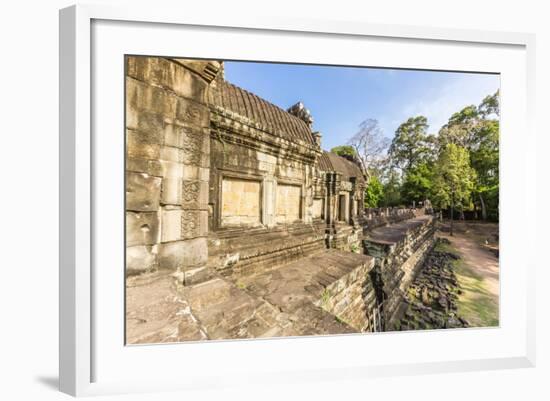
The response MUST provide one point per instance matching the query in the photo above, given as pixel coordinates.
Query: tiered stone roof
(273, 119)
(332, 162)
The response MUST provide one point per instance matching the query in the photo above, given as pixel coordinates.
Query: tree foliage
(344, 151)
(458, 168)
(475, 129)
(374, 192)
(417, 184)
(454, 178)
(392, 190)
(411, 144)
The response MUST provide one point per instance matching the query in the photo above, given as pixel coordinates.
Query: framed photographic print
(290, 200)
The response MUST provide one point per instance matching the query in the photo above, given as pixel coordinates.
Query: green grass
(341, 320)
(441, 247)
(325, 296)
(477, 305)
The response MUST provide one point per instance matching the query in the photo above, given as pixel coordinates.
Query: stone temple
(238, 224)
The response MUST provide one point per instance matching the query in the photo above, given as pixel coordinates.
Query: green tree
(344, 151)
(490, 105)
(417, 184)
(473, 129)
(411, 143)
(392, 190)
(485, 160)
(454, 178)
(374, 192)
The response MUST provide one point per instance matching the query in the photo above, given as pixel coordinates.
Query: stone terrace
(326, 293)
(396, 232)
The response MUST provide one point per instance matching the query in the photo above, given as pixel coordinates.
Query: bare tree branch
(370, 145)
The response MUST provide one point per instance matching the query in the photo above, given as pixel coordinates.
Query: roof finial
(300, 111)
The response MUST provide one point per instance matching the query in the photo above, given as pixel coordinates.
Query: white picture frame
(82, 343)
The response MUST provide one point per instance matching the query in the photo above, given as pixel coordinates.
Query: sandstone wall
(399, 253)
(167, 164)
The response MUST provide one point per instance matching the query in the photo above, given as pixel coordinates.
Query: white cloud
(438, 104)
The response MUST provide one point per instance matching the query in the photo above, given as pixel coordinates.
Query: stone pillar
(167, 166)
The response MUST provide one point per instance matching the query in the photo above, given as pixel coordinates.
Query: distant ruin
(239, 225)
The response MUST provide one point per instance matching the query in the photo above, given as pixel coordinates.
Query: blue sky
(340, 98)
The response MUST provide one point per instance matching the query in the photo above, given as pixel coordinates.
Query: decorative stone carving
(346, 185)
(302, 113)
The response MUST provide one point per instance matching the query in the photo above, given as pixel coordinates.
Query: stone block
(288, 201)
(183, 255)
(142, 228)
(171, 169)
(192, 113)
(171, 191)
(197, 275)
(142, 192)
(240, 202)
(196, 173)
(171, 225)
(194, 195)
(194, 150)
(139, 165)
(150, 124)
(167, 74)
(139, 145)
(188, 84)
(144, 97)
(140, 259)
(183, 224)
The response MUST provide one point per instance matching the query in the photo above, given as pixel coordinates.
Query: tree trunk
(452, 212)
(483, 208)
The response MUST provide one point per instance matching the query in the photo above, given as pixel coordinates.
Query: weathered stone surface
(156, 312)
(399, 250)
(197, 275)
(190, 194)
(288, 203)
(140, 258)
(194, 195)
(142, 192)
(151, 99)
(139, 165)
(194, 151)
(183, 255)
(183, 224)
(168, 75)
(142, 228)
(331, 280)
(240, 202)
(140, 145)
(149, 125)
(191, 113)
(430, 302)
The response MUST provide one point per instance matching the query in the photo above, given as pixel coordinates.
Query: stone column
(167, 168)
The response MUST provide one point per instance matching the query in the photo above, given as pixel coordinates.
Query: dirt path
(478, 275)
